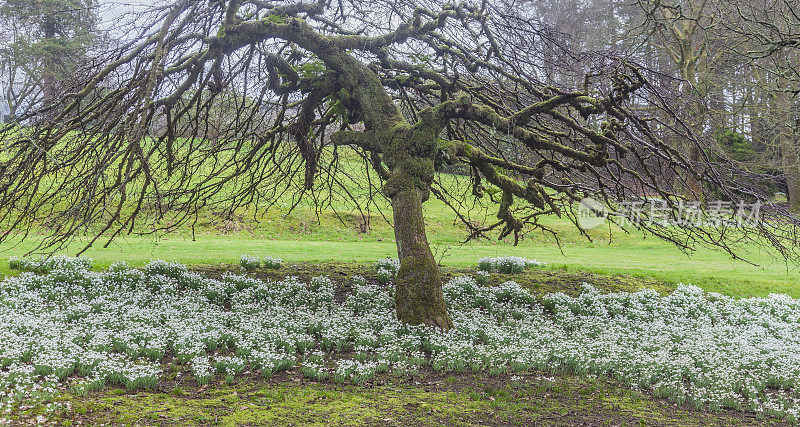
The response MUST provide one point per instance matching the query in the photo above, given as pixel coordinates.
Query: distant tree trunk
(695, 188)
(786, 142)
(788, 147)
(48, 79)
(791, 172)
(685, 43)
(697, 124)
(418, 297)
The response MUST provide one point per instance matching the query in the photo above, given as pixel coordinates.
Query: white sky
(114, 13)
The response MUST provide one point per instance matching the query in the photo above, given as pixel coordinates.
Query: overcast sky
(113, 13)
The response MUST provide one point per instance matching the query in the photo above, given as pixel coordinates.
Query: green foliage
(506, 265)
(249, 263)
(336, 103)
(272, 263)
(56, 30)
(386, 269)
(403, 79)
(46, 265)
(739, 148)
(384, 276)
(276, 19)
(736, 145)
(389, 264)
(47, 41)
(310, 69)
(421, 60)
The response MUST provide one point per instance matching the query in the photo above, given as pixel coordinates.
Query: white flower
(511, 264)
(116, 326)
(390, 265)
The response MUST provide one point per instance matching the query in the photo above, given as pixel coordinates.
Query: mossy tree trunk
(408, 152)
(418, 297)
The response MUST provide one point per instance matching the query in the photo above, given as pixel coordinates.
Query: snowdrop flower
(114, 327)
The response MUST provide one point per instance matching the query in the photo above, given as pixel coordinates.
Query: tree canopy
(230, 103)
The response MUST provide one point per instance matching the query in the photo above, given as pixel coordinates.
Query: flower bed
(90, 329)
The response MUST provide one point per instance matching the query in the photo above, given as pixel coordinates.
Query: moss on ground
(543, 281)
(432, 399)
(539, 281)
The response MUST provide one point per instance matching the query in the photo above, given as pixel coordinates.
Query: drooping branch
(238, 103)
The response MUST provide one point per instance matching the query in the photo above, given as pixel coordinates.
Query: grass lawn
(628, 255)
(338, 233)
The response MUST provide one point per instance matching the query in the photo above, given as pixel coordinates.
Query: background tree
(18, 85)
(770, 30)
(410, 87)
(45, 42)
(686, 32)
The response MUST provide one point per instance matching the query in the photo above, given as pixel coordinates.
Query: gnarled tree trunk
(409, 155)
(408, 152)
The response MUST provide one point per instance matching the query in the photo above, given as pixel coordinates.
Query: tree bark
(418, 296)
(788, 147)
(695, 190)
(48, 79)
(791, 172)
(786, 134)
(696, 93)
(408, 153)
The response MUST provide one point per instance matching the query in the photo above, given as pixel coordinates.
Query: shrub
(119, 267)
(486, 264)
(165, 268)
(386, 269)
(356, 281)
(202, 370)
(45, 265)
(385, 276)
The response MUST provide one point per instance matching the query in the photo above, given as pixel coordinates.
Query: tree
(46, 43)
(685, 30)
(18, 85)
(770, 46)
(409, 86)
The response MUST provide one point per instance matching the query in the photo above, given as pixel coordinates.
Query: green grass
(647, 258)
(334, 234)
